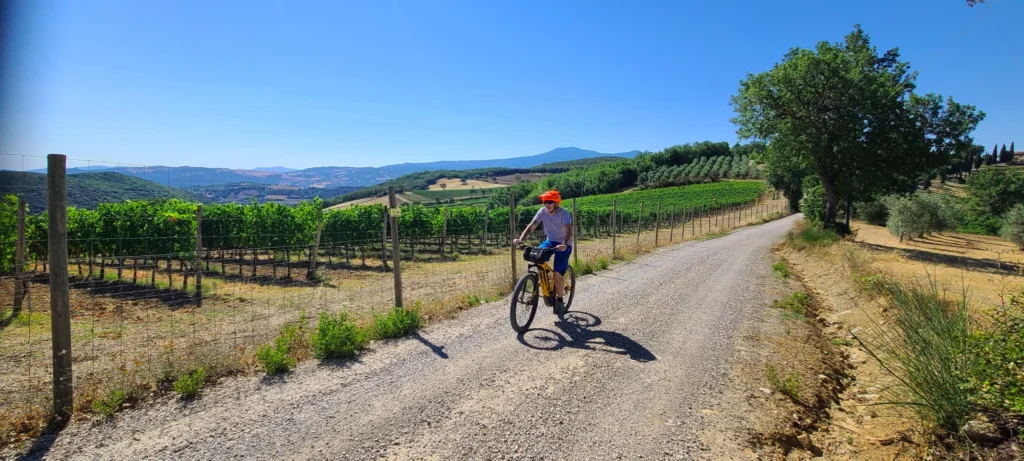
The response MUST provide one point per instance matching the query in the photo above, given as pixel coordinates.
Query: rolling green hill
(86, 190)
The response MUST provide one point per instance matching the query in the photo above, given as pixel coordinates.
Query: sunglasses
(549, 202)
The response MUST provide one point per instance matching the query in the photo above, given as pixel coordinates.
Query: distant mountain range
(330, 177)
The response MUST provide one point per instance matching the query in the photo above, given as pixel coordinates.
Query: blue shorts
(561, 257)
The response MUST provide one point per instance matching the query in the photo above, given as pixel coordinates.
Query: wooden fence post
(393, 211)
(487, 217)
(639, 227)
(384, 240)
(199, 251)
(615, 228)
(444, 229)
(657, 225)
(671, 223)
(315, 251)
(512, 232)
(19, 261)
(60, 312)
(575, 233)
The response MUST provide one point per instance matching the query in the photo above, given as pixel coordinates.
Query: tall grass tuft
(804, 236)
(926, 347)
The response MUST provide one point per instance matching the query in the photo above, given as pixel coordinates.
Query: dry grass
(986, 266)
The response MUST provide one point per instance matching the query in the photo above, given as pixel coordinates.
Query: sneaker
(559, 306)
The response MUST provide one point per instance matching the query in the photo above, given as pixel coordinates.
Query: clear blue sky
(250, 83)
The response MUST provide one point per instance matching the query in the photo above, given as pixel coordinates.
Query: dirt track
(638, 369)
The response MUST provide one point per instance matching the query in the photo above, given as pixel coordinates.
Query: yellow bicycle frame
(545, 278)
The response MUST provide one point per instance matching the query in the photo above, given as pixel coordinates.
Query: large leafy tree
(845, 113)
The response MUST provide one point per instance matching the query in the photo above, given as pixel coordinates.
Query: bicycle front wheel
(570, 288)
(524, 302)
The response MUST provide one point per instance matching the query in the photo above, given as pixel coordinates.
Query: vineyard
(160, 234)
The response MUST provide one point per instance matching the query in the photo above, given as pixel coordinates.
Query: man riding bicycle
(558, 230)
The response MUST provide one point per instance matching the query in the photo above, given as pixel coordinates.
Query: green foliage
(395, 324)
(337, 337)
(998, 374)
(8, 232)
(88, 190)
(603, 263)
(110, 403)
(812, 205)
(995, 190)
(925, 345)
(797, 303)
(847, 115)
(781, 269)
(873, 212)
(921, 213)
(789, 386)
(190, 384)
(1013, 225)
(584, 267)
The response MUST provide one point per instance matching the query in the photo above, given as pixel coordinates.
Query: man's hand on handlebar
(517, 242)
(561, 247)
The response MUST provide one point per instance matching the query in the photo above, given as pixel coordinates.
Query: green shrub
(995, 190)
(473, 300)
(189, 384)
(1013, 225)
(278, 357)
(813, 204)
(925, 346)
(603, 263)
(395, 324)
(873, 212)
(998, 376)
(921, 213)
(111, 403)
(337, 337)
(781, 269)
(789, 386)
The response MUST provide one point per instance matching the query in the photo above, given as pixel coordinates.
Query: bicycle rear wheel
(524, 302)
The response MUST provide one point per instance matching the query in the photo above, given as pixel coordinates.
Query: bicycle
(538, 283)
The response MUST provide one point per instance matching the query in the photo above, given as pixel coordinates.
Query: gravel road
(630, 373)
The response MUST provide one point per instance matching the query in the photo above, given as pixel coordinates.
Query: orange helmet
(552, 195)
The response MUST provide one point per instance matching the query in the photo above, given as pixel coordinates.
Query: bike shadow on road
(576, 330)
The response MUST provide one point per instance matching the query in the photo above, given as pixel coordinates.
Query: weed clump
(111, 403)
(781, 269)
(796, 303)
(789, 386)
(278, 357)
(395, 324)
(189, 384)
(337, 337)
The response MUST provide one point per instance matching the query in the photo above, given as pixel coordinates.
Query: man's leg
(561, 265)
(559, 285)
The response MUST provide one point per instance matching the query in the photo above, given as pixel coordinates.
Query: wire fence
(149, 302)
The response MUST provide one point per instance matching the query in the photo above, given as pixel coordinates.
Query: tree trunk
(274, 262)
(135, 271)
(255, 259)
(170, 273)
(103, 268)
(849, 210)
(831, 200)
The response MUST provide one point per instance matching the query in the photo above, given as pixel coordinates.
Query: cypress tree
(1003, 157)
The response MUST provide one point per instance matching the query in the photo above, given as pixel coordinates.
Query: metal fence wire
(157, 290)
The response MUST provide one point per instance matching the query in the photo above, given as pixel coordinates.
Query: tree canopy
(847, 114)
